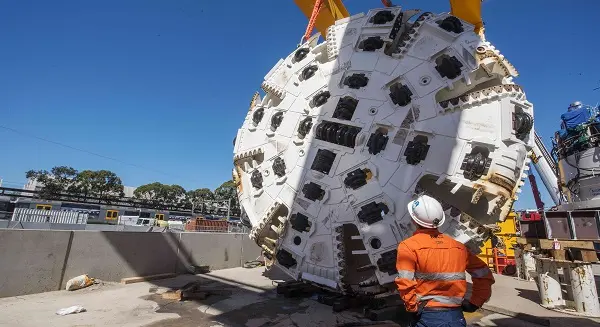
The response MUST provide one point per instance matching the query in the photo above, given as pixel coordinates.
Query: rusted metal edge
(546, 244)
(561, 261)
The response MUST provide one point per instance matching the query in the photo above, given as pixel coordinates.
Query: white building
(128, 190)
(32, 185)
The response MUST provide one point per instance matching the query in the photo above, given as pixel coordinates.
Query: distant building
(32, 185)
(128, 190)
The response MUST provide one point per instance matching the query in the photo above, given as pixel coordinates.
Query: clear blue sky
(166, 84)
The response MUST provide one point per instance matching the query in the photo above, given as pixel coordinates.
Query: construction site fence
(217, 226)
(49, 216)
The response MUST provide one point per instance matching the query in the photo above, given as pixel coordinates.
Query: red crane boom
(536, 192)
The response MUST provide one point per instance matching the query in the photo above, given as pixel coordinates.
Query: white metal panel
(442, 97)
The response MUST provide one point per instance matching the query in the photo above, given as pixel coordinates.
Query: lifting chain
(312, 20)
(315, 12)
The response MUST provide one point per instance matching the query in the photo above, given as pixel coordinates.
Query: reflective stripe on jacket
(431, 266)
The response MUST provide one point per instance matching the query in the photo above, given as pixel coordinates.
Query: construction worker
(431, 271)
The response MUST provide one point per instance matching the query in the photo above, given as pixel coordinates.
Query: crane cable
(313, 19)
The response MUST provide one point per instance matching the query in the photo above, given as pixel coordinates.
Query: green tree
(149, 193)
(197, 198)
(107, 185)
(56, 181)
(82, 184)
(156, 194)
(103, 184)
(173, 194)
(227, 191)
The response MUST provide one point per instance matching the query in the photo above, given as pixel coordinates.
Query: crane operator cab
(580, 128)
(575, 147)
(575, 116)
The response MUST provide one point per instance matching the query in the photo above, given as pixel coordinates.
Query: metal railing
(217, 226)
(49, 216)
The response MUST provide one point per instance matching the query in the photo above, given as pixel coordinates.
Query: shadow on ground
(247, 297)
(251, 303)
(531, 295)
(521, 320)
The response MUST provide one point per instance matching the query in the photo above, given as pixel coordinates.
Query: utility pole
(228, 208)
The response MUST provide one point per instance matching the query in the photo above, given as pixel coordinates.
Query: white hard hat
(426, 211)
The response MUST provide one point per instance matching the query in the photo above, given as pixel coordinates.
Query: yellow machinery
(507, 235)
(328, 11)
(470, 11)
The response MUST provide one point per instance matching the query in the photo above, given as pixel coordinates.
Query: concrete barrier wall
(217, 250)
(114, 255)
(250, 251)
(34, 261)
(31, 261)
(94, 227)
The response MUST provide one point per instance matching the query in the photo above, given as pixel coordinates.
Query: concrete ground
(517, 298)
(245, 298)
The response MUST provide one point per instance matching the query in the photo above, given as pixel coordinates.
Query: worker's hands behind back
(469, 307)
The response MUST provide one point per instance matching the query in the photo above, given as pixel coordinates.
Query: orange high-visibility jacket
(431, 266)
